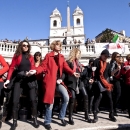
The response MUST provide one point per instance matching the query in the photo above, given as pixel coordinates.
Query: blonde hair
(54, 43)
(73, 53)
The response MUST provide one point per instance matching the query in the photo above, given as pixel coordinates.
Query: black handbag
(33, 84)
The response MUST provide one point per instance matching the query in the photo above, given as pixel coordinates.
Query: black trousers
(98, 96)
(1, 94)
(82, 98)
(22, 88)
(128, 97)
(116, 92)
(82, 91)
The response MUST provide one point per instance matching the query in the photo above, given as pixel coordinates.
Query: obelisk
(68, 18)
(69, 38)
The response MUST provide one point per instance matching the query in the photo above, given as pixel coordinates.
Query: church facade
(73, 34)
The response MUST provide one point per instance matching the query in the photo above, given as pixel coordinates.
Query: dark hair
(37, 54)
(113, 57)
(127, 57)
(19, 49)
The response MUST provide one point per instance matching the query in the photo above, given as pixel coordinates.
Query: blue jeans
(62, 90)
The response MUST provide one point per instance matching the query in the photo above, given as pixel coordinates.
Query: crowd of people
(66, 86)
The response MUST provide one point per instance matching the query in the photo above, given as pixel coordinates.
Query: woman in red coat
(23, 61)
(53, 65)
(3, 69)
(126, 73)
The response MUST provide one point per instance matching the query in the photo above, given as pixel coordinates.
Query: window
(54, 23)
(78, 21)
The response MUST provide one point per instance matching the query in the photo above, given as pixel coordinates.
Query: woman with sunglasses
(24, 62)
(116, 66)
(126, 73)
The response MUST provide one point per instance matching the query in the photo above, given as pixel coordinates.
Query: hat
(105, 52)
(91, 60)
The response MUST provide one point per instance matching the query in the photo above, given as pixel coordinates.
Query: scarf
(76, 65)
(107, 85)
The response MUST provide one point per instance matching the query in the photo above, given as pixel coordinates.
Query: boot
(15, 117)
(1, 115)
(95, 117)
(111, 116)
(71, 107)
(115, 112)
(87, 117)
(91, 105)
(1, 121)
(34, 113)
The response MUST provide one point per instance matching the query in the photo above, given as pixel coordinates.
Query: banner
(112, 47)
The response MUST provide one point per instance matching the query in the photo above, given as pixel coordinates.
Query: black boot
(34, 113)
(87, 117)
(15, 117)
(48, 127)
(1, 115)
(115, 112)
(111, 116)
(1, 121)
(71, 107)
(91, 105)
(95, 117)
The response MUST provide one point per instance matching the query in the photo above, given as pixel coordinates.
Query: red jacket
(4, 69)
(49, 66)
(16, 62)
(126, 73)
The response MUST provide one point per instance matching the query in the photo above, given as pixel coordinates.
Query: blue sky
(21, 18)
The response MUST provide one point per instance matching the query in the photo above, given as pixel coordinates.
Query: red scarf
(76, 66)
(107, 85)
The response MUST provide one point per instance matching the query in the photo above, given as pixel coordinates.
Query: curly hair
(19, 49)
(52, 46)
(73, 53)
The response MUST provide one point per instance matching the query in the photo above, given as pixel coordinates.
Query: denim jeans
(62, 90)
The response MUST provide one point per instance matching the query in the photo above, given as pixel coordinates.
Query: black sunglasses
(25, 45)
(118, 56)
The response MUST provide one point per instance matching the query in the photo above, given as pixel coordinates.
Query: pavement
(123, 123)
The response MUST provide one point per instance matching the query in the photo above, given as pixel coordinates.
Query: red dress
(50, 68)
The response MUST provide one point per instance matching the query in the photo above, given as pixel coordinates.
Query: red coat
(126, 73)
(5, 67)
(16, 62)
(49, 81)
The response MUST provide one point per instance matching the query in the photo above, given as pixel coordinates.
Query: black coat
(71, 80)
(107, 72)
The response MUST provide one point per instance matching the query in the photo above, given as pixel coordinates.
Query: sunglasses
(118, 56)
(25, 45)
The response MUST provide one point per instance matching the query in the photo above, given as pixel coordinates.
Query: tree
(107, 36)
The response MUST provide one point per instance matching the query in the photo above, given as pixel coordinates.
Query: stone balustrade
(8, 50)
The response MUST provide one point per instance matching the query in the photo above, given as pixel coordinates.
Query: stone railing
(8, 50)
